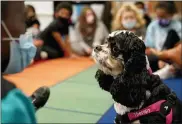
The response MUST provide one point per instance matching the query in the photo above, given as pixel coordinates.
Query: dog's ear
(129, 87)
(136, 59)
(104, 80)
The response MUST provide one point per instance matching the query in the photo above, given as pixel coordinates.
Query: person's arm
(173, 54)
(57, 36)
(16, 106)
(68, 45)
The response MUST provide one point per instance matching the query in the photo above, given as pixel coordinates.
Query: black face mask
(64, 20)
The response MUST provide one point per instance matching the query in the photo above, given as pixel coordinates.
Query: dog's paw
(104, 80)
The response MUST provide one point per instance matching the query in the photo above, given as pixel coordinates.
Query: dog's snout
(97, 48)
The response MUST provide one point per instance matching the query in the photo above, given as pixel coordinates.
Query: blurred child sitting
(129, 18)
(89, 32)
(55, 35)
(33, 27)
(32, 23)
(163, 33)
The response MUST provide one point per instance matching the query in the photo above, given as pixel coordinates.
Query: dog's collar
(163, 107)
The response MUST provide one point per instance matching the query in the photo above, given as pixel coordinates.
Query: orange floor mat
(48, 73)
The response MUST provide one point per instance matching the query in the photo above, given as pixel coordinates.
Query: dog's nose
(97, 48)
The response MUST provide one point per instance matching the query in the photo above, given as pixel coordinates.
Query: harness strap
(163, 106)
(145, 111)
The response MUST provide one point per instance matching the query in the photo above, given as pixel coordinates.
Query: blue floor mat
(174, 84)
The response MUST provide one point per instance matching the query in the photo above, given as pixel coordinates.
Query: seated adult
(17, 51)
(162, 33)
(88, 32)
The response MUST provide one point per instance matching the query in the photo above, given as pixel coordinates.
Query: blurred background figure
(102, 10)
(143, 10)
(55, 35)
(33, 27)
(32, 22)
(89, 32)
(129, 18)
(163, 33)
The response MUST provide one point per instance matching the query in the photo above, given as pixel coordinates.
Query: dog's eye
(115, 49)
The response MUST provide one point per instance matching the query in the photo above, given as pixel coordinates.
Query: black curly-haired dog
(140, 96)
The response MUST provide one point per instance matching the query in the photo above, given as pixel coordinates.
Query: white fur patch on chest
(121, 109)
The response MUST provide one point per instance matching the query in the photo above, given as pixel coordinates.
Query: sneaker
(165, 72)
(43, 55)
(40, 97)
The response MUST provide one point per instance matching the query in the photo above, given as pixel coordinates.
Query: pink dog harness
(150, 109)
(155, 107)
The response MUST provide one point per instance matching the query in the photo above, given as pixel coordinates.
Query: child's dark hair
(168, 6)
(30, 7)
(64, 5)
(140, 3)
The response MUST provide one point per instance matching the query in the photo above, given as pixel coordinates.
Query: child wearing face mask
(88, 32)
(129, 18)
(55, 35)
(32, 23)
(163, 33)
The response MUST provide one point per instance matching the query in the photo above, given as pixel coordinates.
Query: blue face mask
(129, 24)
(22, 51)
(164, 22)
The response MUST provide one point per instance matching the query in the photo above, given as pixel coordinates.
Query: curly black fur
(129, 88)
(104, 80)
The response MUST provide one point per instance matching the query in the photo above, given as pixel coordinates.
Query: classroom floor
(75, 95)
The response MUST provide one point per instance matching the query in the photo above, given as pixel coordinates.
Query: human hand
(89, 51)
(154, 51)
(148, 51)
(161, 64)
(38, 42)
(74, 56)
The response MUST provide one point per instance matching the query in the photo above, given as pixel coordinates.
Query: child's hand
(161, 64)
(148, 51)
(38, 43)
(74, 56)
(155, 52)
(89, 51)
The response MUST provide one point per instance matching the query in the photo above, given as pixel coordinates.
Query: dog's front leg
(104, 80)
